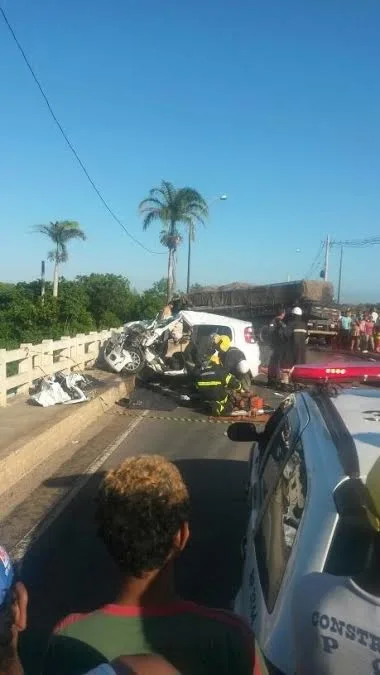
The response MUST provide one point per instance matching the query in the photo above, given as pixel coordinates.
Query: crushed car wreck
(167, 347)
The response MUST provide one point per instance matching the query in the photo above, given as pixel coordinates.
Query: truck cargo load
(259, 303)
(270, 295)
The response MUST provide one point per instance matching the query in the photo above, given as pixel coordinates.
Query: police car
(305, 501)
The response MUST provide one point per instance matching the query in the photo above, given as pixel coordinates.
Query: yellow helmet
(222, 343)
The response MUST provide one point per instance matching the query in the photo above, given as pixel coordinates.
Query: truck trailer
(260, 303)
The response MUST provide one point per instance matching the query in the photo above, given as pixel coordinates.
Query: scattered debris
(61, 389)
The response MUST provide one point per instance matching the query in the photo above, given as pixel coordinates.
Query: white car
(241, 333)
(304, 473)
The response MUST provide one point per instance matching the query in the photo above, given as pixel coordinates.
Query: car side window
(281, 516)
(207, 330)
(277, 448)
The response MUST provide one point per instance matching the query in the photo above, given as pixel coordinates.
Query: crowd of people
(143, 520)
(360, 331)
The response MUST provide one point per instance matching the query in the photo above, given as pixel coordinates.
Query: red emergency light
(343, 372)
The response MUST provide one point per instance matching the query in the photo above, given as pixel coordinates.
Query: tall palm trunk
(55, 275)
(171, 272)
(189, 260)
(172, 260)
(55, 281)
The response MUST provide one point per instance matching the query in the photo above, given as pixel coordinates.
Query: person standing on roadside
(345, 330)
(374, 314)
(278, 337)
(369, 331)
(297, 332)
(355, 334)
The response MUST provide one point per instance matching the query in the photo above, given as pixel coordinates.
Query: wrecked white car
(163, 346)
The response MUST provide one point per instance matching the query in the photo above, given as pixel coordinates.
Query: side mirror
(242, 432)
(354, 504)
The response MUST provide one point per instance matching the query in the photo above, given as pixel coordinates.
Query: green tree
(110, 298)
(60, 232)
(151, 301)
(173, 207)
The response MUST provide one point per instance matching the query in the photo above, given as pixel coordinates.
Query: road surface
(65, 566)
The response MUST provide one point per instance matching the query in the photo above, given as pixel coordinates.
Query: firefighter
(232, 359)
(216, 387)
(278, 337)
(297, 330)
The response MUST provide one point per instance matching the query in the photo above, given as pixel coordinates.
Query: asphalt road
(66, 568)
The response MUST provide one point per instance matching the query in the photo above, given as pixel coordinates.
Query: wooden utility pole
(340, 273)
(327, 254)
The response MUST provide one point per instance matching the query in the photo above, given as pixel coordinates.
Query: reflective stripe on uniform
(211, 383)
(299, 330)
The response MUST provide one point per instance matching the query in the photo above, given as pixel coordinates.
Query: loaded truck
(259, 304)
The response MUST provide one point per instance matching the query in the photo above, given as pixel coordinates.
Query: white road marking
(43, 524)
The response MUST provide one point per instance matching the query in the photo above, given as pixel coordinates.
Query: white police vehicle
(304, 497)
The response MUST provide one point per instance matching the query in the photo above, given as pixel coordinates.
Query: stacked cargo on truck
(259, 303)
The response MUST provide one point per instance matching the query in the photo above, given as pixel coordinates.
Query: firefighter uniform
(232, 359)
(215, 387)
(278, 338)
(297, 330)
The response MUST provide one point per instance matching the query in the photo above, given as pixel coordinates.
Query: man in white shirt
(337, 619)
(374, 315)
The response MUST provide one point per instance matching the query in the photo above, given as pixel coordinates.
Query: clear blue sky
(275, 102)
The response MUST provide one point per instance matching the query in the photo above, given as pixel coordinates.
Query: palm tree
(173, 207)
(60, 232)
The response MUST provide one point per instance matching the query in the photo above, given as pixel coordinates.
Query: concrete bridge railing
(20, 368)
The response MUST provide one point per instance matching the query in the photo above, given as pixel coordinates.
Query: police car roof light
(341, 372)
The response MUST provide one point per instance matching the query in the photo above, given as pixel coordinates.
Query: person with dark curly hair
(143, 519)
(13, 611)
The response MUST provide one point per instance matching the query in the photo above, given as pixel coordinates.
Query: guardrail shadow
(67, 569)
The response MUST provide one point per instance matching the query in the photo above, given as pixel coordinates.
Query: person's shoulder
(224, 621)
(316, 585)
(72, 622)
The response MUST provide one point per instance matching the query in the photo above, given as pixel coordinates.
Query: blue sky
(275, 102)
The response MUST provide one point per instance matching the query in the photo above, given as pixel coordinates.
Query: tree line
(87, 303)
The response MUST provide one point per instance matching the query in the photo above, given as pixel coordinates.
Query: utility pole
(43, 281)
(327, 253)
(340, 273)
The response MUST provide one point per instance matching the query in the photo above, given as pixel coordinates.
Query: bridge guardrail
(20, 368)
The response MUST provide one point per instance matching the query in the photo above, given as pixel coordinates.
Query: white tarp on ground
(57, 389)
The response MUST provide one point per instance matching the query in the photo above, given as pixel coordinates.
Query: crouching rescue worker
(232, 359)
(216, 388)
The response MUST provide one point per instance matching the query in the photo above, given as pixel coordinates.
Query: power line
(357, 243)
(67, 140)
(316, 262)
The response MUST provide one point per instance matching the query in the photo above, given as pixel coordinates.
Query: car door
(283, 490)
(245, 603)
(279, 492)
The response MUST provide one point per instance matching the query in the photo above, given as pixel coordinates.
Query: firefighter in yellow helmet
(216, 388)
(232, 359)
